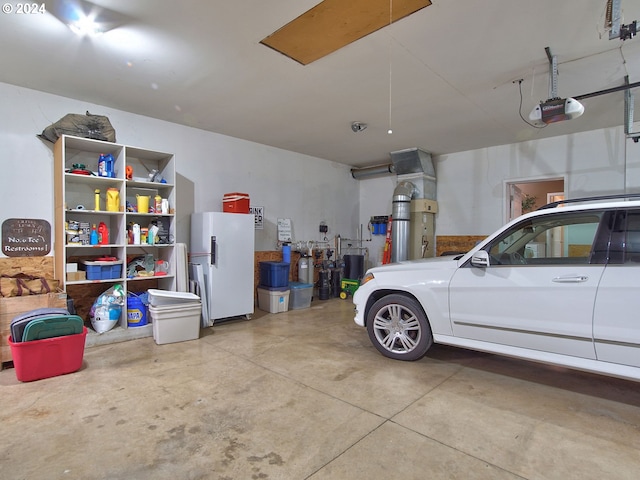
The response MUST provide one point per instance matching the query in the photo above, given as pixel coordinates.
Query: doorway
(524, 196)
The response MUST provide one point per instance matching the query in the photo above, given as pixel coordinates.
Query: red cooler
(235, 203)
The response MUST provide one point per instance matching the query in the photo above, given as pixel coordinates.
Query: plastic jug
(143, 203)
(105, 165)
(113, 200)
(103, 234)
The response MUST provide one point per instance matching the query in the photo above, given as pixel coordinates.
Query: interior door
(542, 303)
(515, 201)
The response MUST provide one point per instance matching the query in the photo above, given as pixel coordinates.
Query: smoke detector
(358, 126)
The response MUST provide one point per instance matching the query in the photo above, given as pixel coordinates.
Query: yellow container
(113, 200)
(143, 203)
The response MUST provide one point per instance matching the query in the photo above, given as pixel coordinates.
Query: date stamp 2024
(23, 8)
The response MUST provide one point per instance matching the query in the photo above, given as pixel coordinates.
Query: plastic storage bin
(235, 203)
(175, 323)
(48, 357)
(159, 298)
(274, 274)
(300, 295)
(102, 270)
(273, 300)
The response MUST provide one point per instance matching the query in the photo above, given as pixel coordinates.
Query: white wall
(305, 189)
(375, 199)
(471, 185)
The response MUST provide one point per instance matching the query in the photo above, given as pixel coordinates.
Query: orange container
(235, 202)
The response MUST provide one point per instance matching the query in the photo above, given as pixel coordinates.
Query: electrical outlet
(324, 228)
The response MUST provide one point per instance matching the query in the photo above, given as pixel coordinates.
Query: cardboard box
(11, 307)
(76, 276)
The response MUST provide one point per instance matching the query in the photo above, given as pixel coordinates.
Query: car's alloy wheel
(398, 328)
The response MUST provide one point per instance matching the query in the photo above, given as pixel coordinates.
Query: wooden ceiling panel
(332, 24)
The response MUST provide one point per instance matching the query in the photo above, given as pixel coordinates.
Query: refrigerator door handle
(213, 250)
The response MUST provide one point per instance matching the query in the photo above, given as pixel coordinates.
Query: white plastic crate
(175, 323)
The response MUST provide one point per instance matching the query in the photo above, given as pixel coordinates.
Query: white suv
(560, 285)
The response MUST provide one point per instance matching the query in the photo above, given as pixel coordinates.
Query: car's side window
(632, 240)
(556, 239)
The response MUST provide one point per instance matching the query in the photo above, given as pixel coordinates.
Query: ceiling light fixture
(85, 25)
(86, 19)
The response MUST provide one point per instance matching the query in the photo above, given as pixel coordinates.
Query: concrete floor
(304, 395)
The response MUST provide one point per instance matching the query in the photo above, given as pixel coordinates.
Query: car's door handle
(571, 279)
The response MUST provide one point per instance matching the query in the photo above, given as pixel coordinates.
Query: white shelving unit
(75, 202)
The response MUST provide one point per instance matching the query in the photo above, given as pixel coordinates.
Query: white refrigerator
(223, 245)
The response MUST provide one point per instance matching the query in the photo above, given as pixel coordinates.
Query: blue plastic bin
(274, 274)
(102, 270)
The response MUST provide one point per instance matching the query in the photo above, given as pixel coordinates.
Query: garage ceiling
(442, 78)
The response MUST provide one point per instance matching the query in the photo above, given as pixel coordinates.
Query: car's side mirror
(480, 259)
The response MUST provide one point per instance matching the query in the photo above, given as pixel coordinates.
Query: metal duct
(359, 173)
(412, 160)
(401, 217)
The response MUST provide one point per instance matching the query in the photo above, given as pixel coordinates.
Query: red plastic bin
(48, 357)
(235, 202)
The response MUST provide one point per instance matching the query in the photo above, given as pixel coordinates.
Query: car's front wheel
(398, 328)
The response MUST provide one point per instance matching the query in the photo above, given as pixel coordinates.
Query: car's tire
(398, 328)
